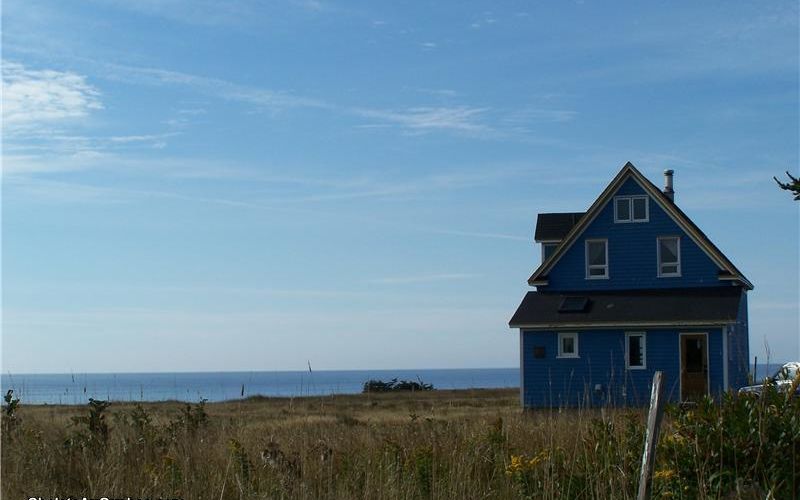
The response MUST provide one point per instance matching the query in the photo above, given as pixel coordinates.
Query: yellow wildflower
(516, 465)
(541, 457)
(664, 474)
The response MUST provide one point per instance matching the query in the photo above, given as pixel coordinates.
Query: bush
(395, 386)
(10, 413)
(95, 427)
(745, 445)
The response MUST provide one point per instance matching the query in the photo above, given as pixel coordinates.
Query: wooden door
(694, 366)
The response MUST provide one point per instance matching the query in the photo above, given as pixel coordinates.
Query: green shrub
(744, 443)
(93, 428)
(395, 386)
(10, 417)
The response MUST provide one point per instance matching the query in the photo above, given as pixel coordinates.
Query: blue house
(626, 288)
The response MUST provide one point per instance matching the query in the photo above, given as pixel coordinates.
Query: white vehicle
(782, 379)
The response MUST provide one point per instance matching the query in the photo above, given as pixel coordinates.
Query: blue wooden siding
(739, 349)
(557, 382)
(632, 254)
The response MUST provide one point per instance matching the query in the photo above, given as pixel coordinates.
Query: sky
(197, 185)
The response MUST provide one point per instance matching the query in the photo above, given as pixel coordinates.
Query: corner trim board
(521, 368)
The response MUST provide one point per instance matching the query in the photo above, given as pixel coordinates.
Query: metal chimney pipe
(668, 184)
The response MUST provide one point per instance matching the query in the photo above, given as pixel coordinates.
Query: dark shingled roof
(707, 305)
(553, 227)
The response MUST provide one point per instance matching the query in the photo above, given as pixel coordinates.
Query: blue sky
(202, 185)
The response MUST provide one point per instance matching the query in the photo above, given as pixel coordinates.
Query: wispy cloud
(35, 98)
(215, 87)
(49, 191)
(242, 15)
(192, 111)
(424, 278)
(463, 118)
(49, 151)
(487, 20)
(45, 96)
(61, 192)
(422, 119)
(32, 164)
(42, 108)
(193, 289)
(437, 92)
(538, 115)
(270, 188)
(155, 140)
(465, 178)
(477, 234)
(311, 5)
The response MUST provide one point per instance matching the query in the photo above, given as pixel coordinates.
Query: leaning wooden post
(651, 438)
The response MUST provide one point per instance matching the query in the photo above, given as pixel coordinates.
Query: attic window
(573, 304)
(596, 259)
(669, 256)
(631, 209)
(547, 250)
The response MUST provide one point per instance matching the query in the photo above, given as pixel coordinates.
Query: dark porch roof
(664, 307)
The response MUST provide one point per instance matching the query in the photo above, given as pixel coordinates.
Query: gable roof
(553, 227)
(717, 305)
(729, 271)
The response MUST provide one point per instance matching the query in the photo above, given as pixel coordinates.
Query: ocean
(77, 388)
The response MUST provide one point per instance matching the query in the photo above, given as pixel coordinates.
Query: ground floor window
(635, 350)
(568, 345)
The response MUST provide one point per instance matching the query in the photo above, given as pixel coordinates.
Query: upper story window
(631, 209)
(635, 351)
(567, 345)
(669, 256)
(596, 259)
(547, 250)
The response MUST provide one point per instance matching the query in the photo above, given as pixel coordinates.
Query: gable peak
(662, 198)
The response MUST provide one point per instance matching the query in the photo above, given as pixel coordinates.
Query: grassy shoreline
(475, 443)
(479, 392)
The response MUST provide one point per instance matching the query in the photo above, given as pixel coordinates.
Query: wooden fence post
(651, 438)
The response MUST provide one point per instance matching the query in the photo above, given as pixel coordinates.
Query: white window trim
(617, 220)
(661, 274)
(627, 350)
(630, 199)
(562, 335)
(586, 258)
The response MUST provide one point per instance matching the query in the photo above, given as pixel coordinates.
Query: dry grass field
(439, 444)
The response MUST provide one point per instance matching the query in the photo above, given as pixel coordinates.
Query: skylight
(573, 304)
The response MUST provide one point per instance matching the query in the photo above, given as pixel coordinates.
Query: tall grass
(442, 444)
